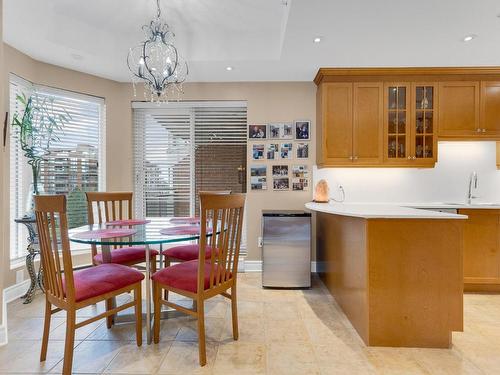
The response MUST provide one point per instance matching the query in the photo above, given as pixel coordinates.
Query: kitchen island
(397, 272)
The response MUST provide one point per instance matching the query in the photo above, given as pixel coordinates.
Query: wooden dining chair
(111, 206)
(203, 278)
(71, 291)
(187, 252)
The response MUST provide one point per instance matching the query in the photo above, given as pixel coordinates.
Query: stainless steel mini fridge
(286, 249)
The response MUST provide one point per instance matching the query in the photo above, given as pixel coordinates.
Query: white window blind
(186, 147)
(75, 162)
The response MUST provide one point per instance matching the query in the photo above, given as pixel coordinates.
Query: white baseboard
(256, 266)
(10, 294)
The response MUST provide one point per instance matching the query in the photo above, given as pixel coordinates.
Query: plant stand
(36, 278)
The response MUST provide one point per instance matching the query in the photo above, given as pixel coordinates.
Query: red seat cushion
(184, 276)
(187, 252)
(98, 280)
(126, 255)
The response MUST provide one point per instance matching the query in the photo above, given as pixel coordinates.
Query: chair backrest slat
(52, 224)
(107, 205)
(223, 213)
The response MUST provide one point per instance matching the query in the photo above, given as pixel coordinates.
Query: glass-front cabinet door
(424, 124)
(396, 129)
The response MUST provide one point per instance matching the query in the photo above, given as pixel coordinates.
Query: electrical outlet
(19, 276)
(260, 242)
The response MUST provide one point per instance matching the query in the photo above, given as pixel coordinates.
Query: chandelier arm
(130, 68)
(173, 70)
(153, 82)
(158, 9)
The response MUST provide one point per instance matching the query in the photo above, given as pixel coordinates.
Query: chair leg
(153, 265)
(70, 342)
(201, 332)
(157, 309)
(167, 264)
(234, 312)
(109, 306)
(46, 330)
(138, 314)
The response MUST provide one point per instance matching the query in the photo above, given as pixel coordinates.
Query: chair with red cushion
(71, 291)
(206, 277)
(111, 206)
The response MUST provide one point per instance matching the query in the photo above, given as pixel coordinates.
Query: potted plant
(37, 125)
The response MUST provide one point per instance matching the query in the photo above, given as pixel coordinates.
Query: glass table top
(146, 234)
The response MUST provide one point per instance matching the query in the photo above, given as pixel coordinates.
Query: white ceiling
(263, 40)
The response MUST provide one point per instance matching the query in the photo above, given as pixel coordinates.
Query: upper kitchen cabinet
(393, 117)
(335, 119)
(396, 128)
(423, 137)
(350, 124)
(490, 108)
(459, 109)
(368, 114)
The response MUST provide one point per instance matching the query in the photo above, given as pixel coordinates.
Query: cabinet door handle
(409, 157)
(484, 130)
(355, 158)
(413, 157)
(350, 158)
(478, 130)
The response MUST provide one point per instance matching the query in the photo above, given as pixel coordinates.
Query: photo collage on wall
(287, 146)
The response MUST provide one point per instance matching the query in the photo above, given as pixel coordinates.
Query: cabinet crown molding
(491, 72)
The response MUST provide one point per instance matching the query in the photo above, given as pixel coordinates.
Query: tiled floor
(281, 332)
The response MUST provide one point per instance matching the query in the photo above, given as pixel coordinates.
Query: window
(75, 161)
(186, 147)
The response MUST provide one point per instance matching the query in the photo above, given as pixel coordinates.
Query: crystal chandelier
(156, 62)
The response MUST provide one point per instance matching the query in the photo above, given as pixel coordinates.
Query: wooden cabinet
(482, 250)
(490, 108)
(367, 125)
(350, 124)
(410, 124)
(393, 117)
(459, 109)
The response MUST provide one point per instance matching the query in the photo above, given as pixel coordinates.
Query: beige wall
(267, 102)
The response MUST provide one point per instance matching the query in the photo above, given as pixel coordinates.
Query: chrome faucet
(472, 181)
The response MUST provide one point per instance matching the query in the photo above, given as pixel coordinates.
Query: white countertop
(382, 211)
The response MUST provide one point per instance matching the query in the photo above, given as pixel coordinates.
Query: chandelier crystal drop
(156, 62)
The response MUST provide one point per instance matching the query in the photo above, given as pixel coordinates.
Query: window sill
(21, 262)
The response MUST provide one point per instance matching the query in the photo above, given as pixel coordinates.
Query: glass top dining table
(144, 234)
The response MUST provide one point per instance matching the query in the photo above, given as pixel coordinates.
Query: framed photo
(275, 131)
(286, 150)
(302, 150)
(280, 170)
(258, 177)
(257, 131)
(302, 130)
(300, 184)
(287, 131)
(258, 151)
(300, 178)
(273, 151)
(300, 171)
(281, 183)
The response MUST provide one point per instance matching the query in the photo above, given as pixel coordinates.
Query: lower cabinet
(482, 250)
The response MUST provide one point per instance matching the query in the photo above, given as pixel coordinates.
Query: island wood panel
(368, 122)
(482, 250)
(341, 246)
(399, 281)
(415, 282)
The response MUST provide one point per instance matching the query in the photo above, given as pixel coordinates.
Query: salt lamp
(321, 192)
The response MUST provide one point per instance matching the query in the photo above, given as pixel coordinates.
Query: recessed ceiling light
(317, 39)
(229, 68)
(470, 37)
